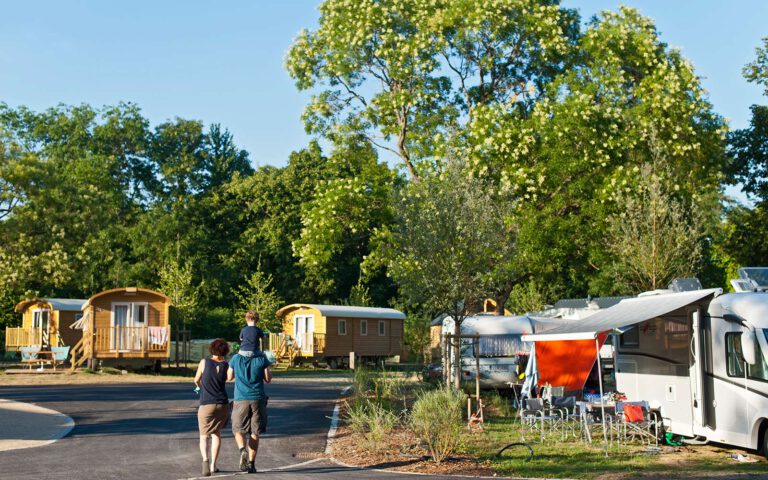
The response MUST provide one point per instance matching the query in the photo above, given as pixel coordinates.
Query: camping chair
(535, 412)
(29, 354)
(589, 420)
(59, 355)
(637, 420)
(568, 410)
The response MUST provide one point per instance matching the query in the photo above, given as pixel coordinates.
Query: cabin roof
(346, 311)
(60, 304)
(128, 290)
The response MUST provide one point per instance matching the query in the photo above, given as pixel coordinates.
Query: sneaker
(206, 468)
(252, 467)
(244, 459)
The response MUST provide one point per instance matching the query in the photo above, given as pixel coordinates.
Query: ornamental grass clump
(436, 419)
(371, 420)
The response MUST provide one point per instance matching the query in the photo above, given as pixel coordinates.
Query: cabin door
(120, 330)
(41, 324)
(303, 332)
(128, 322)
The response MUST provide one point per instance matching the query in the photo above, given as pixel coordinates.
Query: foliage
(417, 336)
(451, 243)
(656, 237)
(338, 223)
(436, 419)
(530, 296)
(176, 283)
(257, 294)
(373, 421)
(407, 74)
(757, 70)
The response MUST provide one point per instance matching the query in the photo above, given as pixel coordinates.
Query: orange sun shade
(566, 363)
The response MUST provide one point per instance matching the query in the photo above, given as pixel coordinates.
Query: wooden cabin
(45, 322)
(124, 324)
(330, 333)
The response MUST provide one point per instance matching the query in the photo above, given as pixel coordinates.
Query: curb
(67, 426)
(330, 457)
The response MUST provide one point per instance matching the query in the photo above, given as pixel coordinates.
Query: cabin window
(342, 327)
(382, 328)
(630, 338)
(363, 327)
(733, 358)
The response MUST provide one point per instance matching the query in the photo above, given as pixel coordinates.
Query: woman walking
(212, 415)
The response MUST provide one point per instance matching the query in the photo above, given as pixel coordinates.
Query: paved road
(149, 431)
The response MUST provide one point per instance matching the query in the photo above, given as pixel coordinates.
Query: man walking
(249, 414)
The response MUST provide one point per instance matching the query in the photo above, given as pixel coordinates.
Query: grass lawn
(555, 458)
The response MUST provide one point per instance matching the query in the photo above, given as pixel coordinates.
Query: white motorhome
(499, 348)
(700, 357)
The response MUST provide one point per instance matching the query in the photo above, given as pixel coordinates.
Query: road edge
(69, 424)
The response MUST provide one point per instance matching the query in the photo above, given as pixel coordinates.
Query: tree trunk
(457, 358)
(503, 293)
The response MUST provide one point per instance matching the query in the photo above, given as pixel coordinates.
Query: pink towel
(157, 335)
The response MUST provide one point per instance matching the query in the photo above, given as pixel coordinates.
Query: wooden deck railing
(19, 337)
(286, 348)
(130, 339)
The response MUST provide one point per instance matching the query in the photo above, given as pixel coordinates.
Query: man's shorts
(250, 416)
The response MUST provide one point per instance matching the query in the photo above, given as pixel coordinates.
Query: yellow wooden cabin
(45, 323)
(330, 333)
(130, 325)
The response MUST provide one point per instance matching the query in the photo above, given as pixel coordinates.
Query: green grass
(555, 458)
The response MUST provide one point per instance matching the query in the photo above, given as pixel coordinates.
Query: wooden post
(477, 370)
(352, 360)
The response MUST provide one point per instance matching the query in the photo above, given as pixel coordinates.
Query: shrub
(89, 371)
(362, 382)
(371, 420)
(436, 419)
(497, 405)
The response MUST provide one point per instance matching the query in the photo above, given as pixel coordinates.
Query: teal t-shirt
(249, 376)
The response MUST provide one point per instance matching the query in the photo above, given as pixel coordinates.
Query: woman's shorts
(212, 418)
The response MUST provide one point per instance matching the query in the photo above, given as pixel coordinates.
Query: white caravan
(500, 347)
(700, 357)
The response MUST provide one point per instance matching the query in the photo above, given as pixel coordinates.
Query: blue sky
(223, 61)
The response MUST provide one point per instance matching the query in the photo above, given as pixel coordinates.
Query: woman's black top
(213, 383)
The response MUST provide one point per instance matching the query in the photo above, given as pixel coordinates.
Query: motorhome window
(759, 371)
(734, 359)
(630, 338)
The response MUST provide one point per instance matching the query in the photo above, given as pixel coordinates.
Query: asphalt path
(149, 431)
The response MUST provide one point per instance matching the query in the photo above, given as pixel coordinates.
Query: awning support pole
(602, 399)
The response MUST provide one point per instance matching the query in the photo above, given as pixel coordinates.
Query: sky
(222, 62)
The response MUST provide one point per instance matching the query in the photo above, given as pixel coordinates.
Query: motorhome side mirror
(748, 344)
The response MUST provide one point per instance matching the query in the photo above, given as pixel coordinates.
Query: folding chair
(536, 412)
(637, 420)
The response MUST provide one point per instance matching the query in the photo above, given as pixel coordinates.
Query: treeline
(95, 198)
(538, 158)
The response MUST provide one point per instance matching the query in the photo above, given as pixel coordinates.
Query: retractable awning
(620, 317)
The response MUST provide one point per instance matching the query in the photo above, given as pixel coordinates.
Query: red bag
(633, 413)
